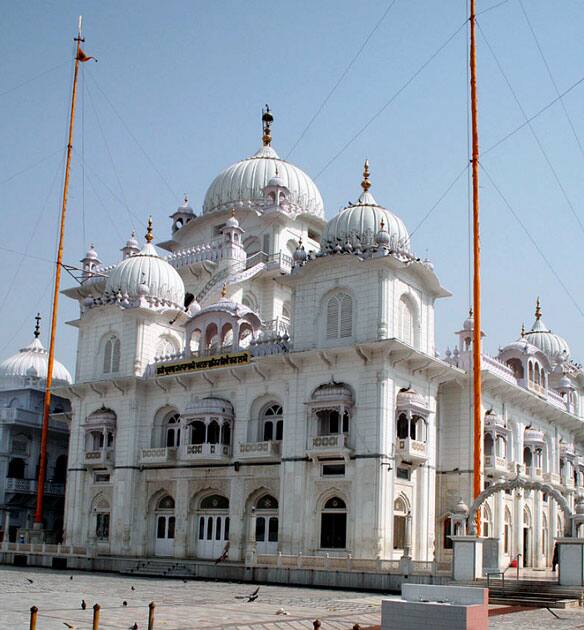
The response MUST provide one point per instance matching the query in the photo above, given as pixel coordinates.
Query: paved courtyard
(211, 605)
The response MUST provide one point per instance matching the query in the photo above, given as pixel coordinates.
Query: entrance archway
(518, 483)
(212, 526)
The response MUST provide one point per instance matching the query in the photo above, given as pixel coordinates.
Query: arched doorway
(266, 527)
(333, 524)
(527, 537)
(16, 468)
(212, 526)
(60, 471)
(165, 524)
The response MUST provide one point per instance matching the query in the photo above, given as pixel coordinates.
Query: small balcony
(334, 444)
(206, 452)
(535, 473)
(101, 457)
(568, 482)
(29, 486)
(412, 450)
(162, 455)
(495, 465)
(259, 450)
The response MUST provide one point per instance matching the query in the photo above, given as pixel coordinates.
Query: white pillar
(538, 560)
(499, 524)
(517, 546)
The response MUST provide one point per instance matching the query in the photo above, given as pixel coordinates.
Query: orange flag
(83, 57)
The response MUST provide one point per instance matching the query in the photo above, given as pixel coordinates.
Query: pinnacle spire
(37, 328)
(366, 184)
(523, 330)
(537, 309)
(267, 120)
(149, 237)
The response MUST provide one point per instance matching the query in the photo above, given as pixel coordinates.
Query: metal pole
(476, 363)
(33, 617)
(38, 518)
(96, 610)
(151, 607)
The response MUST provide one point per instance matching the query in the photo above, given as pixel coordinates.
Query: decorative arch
(160, 425)
(513, 484)
(408, 320)
(167, 345)
(110, 352)
(156, 496)
(338, 309)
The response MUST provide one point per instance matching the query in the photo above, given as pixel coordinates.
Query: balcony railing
(29, 486)
(534, 472)
(259, 450)
(496, 464)
(552, 478)
(331, 444)
(101, 456)
(206, 451)
(412, 450)
(160, 455)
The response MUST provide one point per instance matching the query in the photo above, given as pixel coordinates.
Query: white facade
(295, 402)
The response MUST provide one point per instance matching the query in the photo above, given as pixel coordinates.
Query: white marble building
(294, 401)
(22, 382)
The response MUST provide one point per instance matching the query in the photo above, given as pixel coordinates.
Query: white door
(212, 535)
(267, 533)
(164, 545)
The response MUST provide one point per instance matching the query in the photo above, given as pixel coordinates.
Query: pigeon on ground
(281, 611)
(71, 627)
(250, 598)
(132, 588)
(70, 577)
(30, 581)
(83, 604)
(124, 603)
(134, 627)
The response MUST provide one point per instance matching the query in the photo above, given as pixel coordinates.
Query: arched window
(405, 322)
(166, 503)
(272, 423)
(508, 532)
(16, 468)
(333, 524)
(487, 521)
(530, 371)
(213, 526)
(402, 426)
(172, 431)
(339, 316)
(166, 346)
(488, 444)
(446, 533)
(517, 367)
(215, 502)
(111, 355)
(527, 457)
(60, 470)
(399, 523)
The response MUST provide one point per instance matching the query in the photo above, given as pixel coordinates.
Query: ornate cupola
(131, 247)
(90, 262)
(553, 346)
(276, 194)
(182, 215)
(232, 232)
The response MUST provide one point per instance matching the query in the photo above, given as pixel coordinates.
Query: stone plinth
(468, 558)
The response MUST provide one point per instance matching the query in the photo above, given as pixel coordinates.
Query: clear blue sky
(189, 79)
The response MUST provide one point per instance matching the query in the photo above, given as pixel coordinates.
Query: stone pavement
(206, 605)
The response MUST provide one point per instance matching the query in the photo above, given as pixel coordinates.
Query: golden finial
(537, 309)
(523, 330)
(37, 328)
(470, 312)
(267, 120)
(233, 213)
(224, 291)
(366, 184)
(149, 237)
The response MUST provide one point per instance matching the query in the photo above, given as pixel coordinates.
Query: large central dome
(241, 185)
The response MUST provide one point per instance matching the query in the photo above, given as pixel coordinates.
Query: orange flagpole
(476, 358)
(38, 518)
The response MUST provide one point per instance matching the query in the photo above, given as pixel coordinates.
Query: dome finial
(366, 184)
(523, 330)
(224, 291)
(470, 312)
(267, 120)
(537, 309)
(37, 328)
(149, 237)
(233, 213)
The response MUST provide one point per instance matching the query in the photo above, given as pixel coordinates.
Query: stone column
(536, 544)
(250, 552)
(518, 527)
(499, 524)
(181, 513)
(420, 550)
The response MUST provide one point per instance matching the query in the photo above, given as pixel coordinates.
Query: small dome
(91, 253)
(360, 223)
(461, 508)
(146, 273)
(565, 383)
(553, 346)
(242, 184)
(300, 254)
(232, 222)
(132, 242)
(31, 362)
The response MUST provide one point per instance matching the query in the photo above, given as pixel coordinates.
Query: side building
(22, 384)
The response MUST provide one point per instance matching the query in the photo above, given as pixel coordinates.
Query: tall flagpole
(38, 518)
(476, 355)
